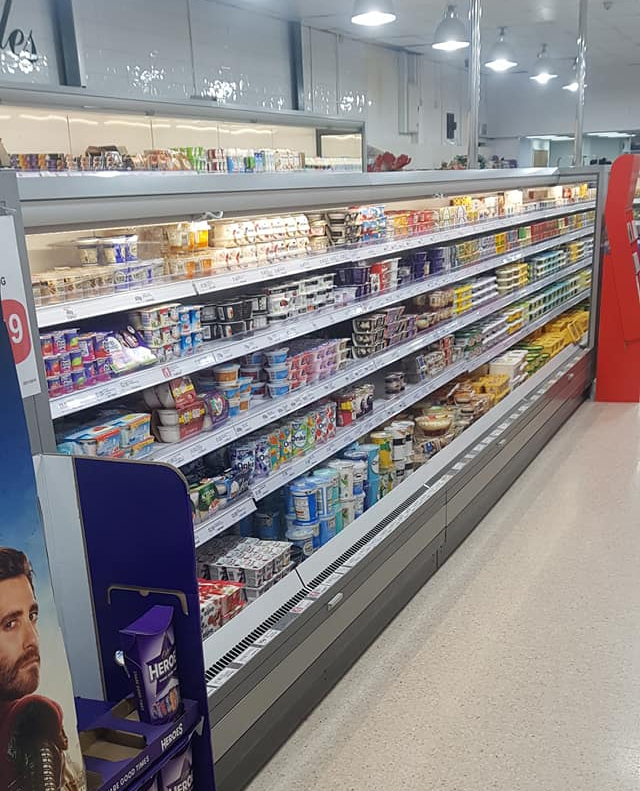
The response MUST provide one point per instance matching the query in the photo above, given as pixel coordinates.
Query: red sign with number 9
(15, 317)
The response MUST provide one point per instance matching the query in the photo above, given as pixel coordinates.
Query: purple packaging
(177, 774)
(152, 785)
(149, 649)
(59, 342)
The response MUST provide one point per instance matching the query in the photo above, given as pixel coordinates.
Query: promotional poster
(39, 747)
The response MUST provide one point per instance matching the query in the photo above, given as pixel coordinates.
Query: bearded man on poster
(32, 738)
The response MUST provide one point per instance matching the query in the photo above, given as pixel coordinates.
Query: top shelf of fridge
(53, 202)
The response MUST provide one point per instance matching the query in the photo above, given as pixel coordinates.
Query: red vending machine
(618, 373)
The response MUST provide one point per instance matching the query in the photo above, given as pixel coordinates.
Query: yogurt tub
(169, 417)
(169, 433)
(245, 401)
(227, 374)
(277, 356)
(277, 373)
(278, 389)
(230, 391)
(302, 539)
(234, 406)
(252, 372)
(244, 384)
(258, 390)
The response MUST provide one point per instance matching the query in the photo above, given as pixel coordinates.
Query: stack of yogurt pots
(228, 319)
(279, 371)
(377, 331)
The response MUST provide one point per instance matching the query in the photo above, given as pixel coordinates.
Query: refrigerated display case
(414, 285)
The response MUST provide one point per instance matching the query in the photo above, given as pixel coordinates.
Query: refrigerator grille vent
(273, 619)
(387, 520)
(248, 641)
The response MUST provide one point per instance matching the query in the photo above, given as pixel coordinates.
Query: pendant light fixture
(373, 13)
(543, 72)
(573, 84)
(451, 34)
(500, 56)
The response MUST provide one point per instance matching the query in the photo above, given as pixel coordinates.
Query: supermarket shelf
(216, 353)
(75, 310)
(224, 520)
(380, 249)
(193, 448)
(386, 410)
(49, 315)
(428, 479)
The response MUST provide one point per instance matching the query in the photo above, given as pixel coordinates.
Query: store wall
(516, 107)
(352, 78)
(193, 48)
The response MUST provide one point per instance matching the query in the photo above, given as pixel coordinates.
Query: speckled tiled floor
(517, 667)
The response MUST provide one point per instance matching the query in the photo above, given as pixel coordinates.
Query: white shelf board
(216, 353)
(225, 519)
(75, 310)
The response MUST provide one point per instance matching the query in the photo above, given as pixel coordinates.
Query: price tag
(302, 606)
(479, 448)
(239, 279)
(70, 313)
(206, 286)
(143, 297)
(459, 466)
(503, 426)
(280, 270)
(242, 428)
(220, 357)
(109, 393)
(225, 437)
(196, 451)
(177, 460)
(260, 490)
(222, 677)
(130, 386)
(267, 637)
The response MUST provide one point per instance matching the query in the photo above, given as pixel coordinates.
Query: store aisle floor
(517, 667)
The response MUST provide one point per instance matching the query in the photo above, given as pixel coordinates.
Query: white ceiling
(614, 34)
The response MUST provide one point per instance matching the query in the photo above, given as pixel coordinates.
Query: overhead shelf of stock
(216, 353)
(50, 315)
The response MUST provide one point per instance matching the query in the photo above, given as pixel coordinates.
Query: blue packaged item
(304, 494)
(373, 492)
(327, 528)
(267, 524)
(245, 526)
(339, 520)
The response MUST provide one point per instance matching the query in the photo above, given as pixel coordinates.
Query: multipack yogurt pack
(151, 662)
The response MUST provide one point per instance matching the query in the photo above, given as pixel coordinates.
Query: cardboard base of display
(119, 751)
